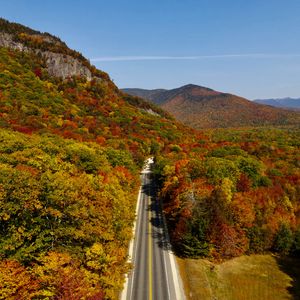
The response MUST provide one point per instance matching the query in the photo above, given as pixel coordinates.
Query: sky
(248, 48)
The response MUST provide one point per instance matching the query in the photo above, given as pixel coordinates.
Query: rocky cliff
(58, 64)
(62, 65)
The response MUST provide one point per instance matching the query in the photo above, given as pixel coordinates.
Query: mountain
(201, 107)
(281, 102)
(51, 66)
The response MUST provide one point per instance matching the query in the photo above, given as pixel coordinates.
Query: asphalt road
(152, 276)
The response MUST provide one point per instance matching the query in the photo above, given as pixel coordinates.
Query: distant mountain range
(282, 102)
(201, 107)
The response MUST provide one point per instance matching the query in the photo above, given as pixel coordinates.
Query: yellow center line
(150, 251)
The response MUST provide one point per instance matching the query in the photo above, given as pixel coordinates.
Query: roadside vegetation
(265, 277)
(65, 214)
(233, 192)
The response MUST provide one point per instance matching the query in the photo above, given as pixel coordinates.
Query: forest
(66, 215)
(234, 192)
(70, 155)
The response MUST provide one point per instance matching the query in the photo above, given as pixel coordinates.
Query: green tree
(283, 239)
(194, 242)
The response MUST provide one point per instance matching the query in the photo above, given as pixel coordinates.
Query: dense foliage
(32, 101)
(70, 155)
(233, 192)
(64, 208)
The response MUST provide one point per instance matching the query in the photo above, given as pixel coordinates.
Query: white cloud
(198, 57)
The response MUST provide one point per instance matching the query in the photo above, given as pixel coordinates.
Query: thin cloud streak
(199, 57)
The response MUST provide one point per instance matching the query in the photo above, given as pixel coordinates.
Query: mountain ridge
(281, 102)
(201, 107)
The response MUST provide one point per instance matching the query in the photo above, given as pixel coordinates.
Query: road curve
(154, 275)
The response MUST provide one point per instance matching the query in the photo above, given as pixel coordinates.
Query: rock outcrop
(62, 65)
(6, 40)
(58, 64)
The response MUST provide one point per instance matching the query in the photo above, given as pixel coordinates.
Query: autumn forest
(71, 150)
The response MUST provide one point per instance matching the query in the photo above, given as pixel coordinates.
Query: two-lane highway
(154, 275)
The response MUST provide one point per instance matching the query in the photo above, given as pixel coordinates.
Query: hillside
(200, 107)
(283, 102)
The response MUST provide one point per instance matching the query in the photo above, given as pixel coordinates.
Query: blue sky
(249, 48)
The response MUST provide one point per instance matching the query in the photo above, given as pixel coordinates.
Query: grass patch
(254, 277)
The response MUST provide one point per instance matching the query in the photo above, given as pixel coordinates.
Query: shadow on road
(158, 231)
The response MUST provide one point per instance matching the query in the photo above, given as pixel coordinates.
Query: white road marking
(179, 292)
(130, 253)
(165, 264)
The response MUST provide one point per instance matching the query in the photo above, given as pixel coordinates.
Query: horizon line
(197, 57)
